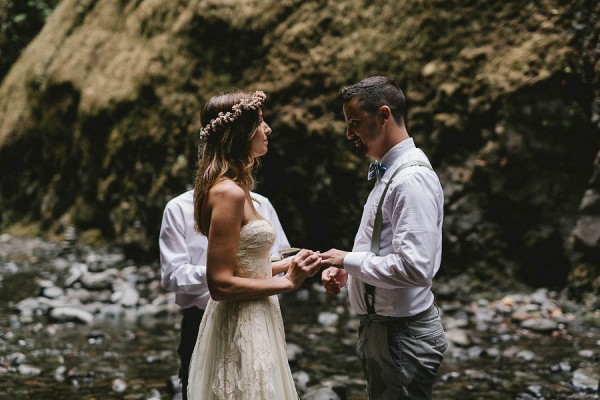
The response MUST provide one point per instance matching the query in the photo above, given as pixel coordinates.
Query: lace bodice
(256, 239)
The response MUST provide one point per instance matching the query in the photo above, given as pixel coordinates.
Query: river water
(130, 353)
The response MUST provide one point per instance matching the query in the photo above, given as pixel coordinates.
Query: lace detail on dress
(256, 239)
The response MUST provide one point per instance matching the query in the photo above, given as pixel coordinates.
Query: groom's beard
(360, 148)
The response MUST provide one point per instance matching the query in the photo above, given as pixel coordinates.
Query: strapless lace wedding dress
(240, 352)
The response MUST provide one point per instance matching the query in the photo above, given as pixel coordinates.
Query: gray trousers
(400, 356)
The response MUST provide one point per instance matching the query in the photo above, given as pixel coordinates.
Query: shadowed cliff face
(99, 117)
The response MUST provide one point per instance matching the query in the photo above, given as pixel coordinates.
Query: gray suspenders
(376, 238)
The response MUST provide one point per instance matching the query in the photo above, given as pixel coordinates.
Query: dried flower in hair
(223, 119)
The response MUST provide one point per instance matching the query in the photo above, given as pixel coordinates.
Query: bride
(240, 351)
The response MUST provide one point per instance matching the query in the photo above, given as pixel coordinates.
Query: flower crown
(224, 118)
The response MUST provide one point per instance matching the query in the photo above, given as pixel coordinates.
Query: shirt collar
(397, 151)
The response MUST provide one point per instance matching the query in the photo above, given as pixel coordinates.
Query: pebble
(153, 394)
(539, 325)
(71, 314)
(293, 352)
(118, 385)
(458, 337)
(25, 369)
(586, 378)
(52, 292)
(526, 355)
(323, 393)
(327, 318)
(301, 379)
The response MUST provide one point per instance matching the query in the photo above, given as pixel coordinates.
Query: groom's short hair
(376, 91)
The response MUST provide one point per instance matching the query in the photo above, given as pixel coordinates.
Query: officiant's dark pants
(400, 356)
(190, 324)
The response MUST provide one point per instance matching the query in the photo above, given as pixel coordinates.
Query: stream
(81, 323)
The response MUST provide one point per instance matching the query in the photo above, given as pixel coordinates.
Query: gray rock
(99, 280)
(328, 318)
(323, 393)
(153, 394)
(174, 384)
(539, 324)
(526, 355)
(586, 353)
(124, 293)
(458, 337)
(293, 351)
(60, 264)
(118, 385)
(454, 323)
(59, 373)
(71, 314)
(16, 359)
(75, 273)
(586, 378)
(587, 230)
(301, 379)
(52, 292)
(25, 369)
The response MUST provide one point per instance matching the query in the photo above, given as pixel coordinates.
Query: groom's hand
(334, 258)
(334, 279)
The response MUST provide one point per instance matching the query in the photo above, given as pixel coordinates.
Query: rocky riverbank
(77, 322)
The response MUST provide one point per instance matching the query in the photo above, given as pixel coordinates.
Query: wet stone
(293, 352)
(16, 359)
(52, 292)
(118, 385)
(25, 369)
(153, 394)
(323, 393)
(458, 337)
(586, 378)
(301, 379)
(535, 390)
(539, 325)
(328, 318)
(526, 355)
(71, 314)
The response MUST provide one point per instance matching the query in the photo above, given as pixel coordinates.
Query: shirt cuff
(353, 262)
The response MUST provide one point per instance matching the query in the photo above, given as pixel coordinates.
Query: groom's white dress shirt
(183, 250)
(411, 238)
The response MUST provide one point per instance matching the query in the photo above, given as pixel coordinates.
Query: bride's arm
(226, 208)
(281, 266)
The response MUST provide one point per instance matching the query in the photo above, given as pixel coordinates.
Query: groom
(390, 269)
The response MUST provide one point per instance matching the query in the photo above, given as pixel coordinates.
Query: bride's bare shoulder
(227, 190)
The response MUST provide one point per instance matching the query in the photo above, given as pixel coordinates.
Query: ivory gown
(240, 352)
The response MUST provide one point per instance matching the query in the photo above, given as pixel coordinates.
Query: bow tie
(376, 170)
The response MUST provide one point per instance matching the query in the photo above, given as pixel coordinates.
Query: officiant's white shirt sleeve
(410, 251)
(182, 249)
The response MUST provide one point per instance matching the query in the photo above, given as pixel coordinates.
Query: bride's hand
(304, 264)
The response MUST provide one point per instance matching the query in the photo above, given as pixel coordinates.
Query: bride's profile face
(259, 144)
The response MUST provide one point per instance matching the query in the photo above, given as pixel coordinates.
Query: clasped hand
(304, 264)
(334, 277)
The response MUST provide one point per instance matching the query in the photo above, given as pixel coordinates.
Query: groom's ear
(385, 113)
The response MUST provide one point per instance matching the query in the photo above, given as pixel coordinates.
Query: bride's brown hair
(225, 153)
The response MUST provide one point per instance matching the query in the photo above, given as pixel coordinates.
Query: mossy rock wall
(99, 119)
